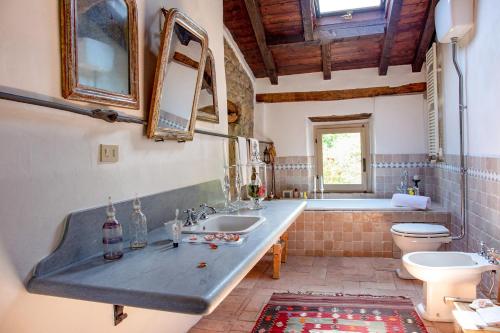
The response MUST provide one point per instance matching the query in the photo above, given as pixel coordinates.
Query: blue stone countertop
(168, 279)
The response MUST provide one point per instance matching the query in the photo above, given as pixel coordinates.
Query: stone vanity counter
(168, 279)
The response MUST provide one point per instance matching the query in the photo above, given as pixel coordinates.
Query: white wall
(478, 56)
(49, 165)
(398, 122)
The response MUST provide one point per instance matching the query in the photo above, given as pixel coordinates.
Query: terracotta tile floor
(373, 276)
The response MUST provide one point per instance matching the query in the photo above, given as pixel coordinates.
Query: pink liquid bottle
(112, 235)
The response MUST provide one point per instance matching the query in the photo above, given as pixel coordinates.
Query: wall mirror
(99, 51)
(208, 109)
(178, 78)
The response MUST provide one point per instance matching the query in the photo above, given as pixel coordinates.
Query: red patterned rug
(300, 313)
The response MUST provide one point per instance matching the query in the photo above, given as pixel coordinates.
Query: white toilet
(414, 237)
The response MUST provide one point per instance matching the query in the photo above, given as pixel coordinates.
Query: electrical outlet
(108, 153)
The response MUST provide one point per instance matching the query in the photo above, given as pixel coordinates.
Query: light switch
(108, 153)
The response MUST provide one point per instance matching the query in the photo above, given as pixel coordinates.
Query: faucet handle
(190, 220)
(492, 256)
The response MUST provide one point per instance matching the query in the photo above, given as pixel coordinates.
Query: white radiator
(432, 103)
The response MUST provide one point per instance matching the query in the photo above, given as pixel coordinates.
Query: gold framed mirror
(99, 52)
(208, 108)
(178, 78)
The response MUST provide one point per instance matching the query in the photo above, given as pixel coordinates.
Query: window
(333, 6)
(342, 157)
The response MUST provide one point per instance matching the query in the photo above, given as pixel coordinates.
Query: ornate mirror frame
(172, 17)
(209, 116)
(71, 88)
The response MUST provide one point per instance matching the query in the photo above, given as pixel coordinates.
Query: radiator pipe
(463, 164)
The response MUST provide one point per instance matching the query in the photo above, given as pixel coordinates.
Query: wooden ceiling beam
(335, 95)
(349, 30)
(307, 19)
(339, 33)
(425, 39)
(326, 55)
(335, 118)
(393, 15)
(260, 35)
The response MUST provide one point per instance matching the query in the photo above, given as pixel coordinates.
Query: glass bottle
(176, 229)
(139, 227)
(257, 186)
(112, 235)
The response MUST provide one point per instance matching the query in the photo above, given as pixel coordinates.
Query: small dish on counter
(218, 239)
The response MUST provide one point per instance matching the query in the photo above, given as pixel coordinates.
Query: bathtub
(354, 227)
(354, 204)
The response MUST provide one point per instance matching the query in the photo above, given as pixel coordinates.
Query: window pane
(326, 6)
(342, 158)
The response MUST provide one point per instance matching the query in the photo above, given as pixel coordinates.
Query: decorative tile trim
(446, 167)
(484, 175)
(396, 165)
(476, 173)
(294, 166)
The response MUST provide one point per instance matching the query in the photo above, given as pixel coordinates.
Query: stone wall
(240, 92)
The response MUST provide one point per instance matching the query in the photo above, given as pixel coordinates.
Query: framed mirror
(99, 51)
(208, 109)
(178, 78)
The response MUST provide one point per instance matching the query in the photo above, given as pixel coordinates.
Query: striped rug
(302, 313)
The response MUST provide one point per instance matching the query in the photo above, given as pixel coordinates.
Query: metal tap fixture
(482, 248)
(492, 256)
(194, 216)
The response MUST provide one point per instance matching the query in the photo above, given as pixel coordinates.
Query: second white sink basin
(237, 224)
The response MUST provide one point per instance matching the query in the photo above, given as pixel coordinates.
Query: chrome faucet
(193, 216)
(482, 248)
(492, 256)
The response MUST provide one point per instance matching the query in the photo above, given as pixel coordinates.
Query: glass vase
(257, 183)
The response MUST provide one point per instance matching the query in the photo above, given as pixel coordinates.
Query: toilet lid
(420, 229)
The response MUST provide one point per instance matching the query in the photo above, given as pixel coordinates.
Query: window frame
(342, 12)
(364, 129)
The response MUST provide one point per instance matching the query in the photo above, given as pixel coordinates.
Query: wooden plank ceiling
(283, 37)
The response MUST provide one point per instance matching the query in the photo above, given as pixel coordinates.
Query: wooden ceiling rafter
(425, 39)
(307, 19)
(326, 55)
(393, 15)
(260, 35)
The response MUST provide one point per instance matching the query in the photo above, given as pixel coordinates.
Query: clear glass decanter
(257, 184)
(238, 182)
(138, 227)
(112, 235)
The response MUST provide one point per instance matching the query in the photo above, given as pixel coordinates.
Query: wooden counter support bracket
(284, 251)
(119, 315)
(280, 253)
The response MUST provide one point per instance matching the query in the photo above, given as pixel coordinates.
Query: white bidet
(453, 274)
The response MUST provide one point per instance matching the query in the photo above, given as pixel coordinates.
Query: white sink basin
(225, 223)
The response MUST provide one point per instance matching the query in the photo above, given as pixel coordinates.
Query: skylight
(330, 6)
